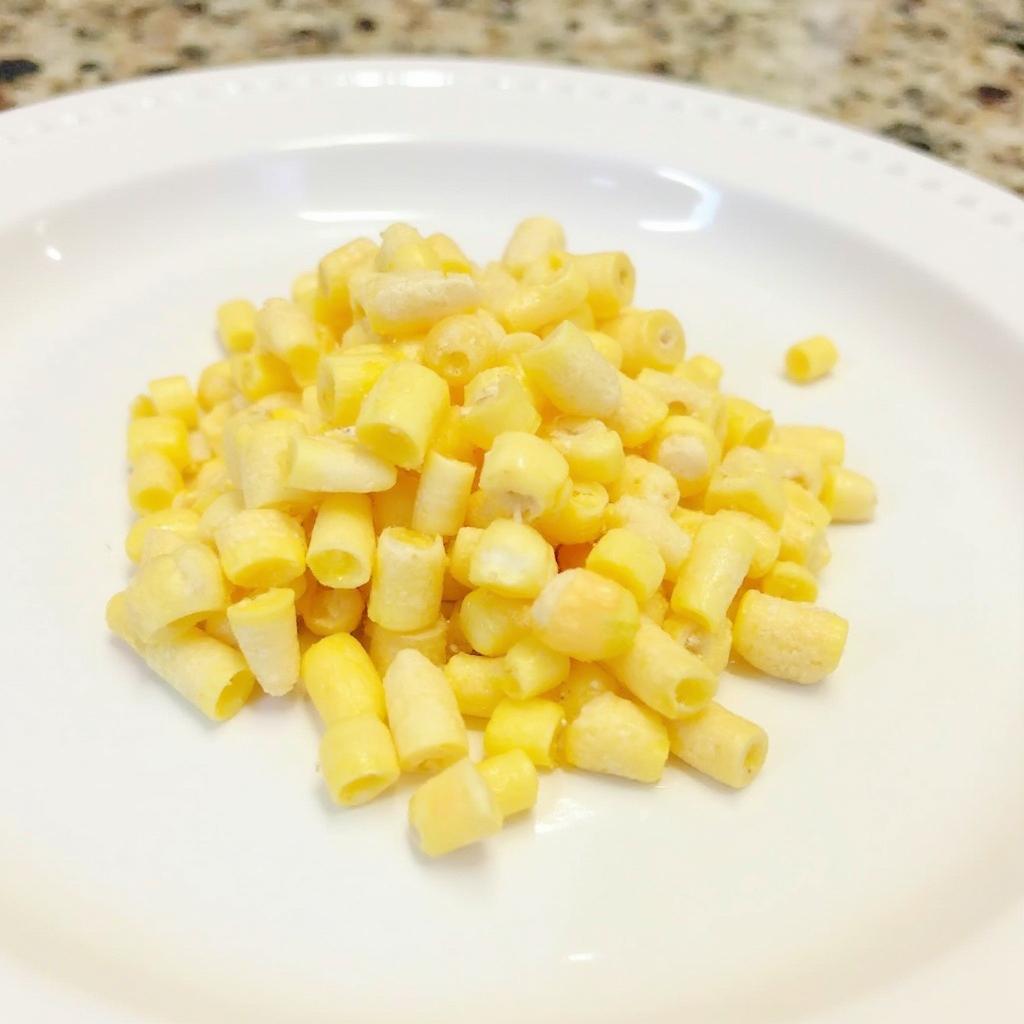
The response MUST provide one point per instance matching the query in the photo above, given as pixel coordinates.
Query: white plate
(155, 868)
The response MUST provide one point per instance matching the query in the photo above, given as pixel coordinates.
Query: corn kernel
(810, 359)
(533, 669)
(630, 560)
(261, 548)
(718, 564)
(788, 639)
(542, 302)
(141, 406)
(592, 451)
(614, 736)
(639, 414)
(495, 402)
(703, 370)
(532, 239)
(460, 554)
(512, 559)
(402, 247)
(326, 611)
(479, 683)
(512, 780)
(585, 681)
(454, 809)
(358, 760)
(385, 644)
(333, 463)
(850, 497)
(746, 424)
(728, 748)
(173, 396)
(607, 347)
(648, 481)
(611, 280)
(459, 347)
(525, 471)
(263, 466)
(746, 482)
(712, 646)
(443, 495)
(167, 435)
(578, 517)
(685, 398)
(649, 337)
(655, 608)
(766, 540)
(452, 259)
(790, 580)
(335, 273)
(829, 444)
(344, 379)
(236, 325)
(532, 726)
(672, 541)
(342, 543)
(153, 483)
(688, 450)
(585, 615)
(394, 506)
(493, 623)
(408, 573)
(409, 303)
(184, 522)
(266, 631)
(341, 680)
(800, 465)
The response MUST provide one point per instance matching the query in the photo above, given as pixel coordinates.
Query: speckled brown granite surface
(946, 76)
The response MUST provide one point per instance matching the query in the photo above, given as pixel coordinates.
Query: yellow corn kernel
(306, 295)
(401, 414)
(173, 396)
(342, 543)
(788, 639)
(585, 615)
(718, 564)
(483, 509)
(497, 401)
(512, 345)
(451, 439)
(159, 541)
(532, 726)
(649, 337)
(167, 435)
(663, 674)
(712, 646)
(791, 581)
(199, 450)
(182, 521)
(261, 548)
(655, 608)
(718, 743)
(572, 374)
(541, 302)
(461, 346)
(512, 780)
(258, 374)
(585, 681)
(686, 398)
(402, 247)
(172, 592)
(385, 644)
(802, 534)
(335, 274)
(703, 370)
(236, 325)
(746, 424)
(326, 611)
(219, 628)
(672, 541)
(478, 683)
(607, 347)
(592, 451)
(801, 465)
(451, 257)
(394, 506)
(746, 482)
(141, 406)
(335, 463)
(688, 450)
(512, 559)
(454, 809)
(428, 730)
(766, 540)
(219, 511)
(639, 414)
(341, 680)
(492, 623)
(630, 560)
(829, 444)
(611, 281)
(849, 497)
(153, 483)
(358, 760)
(266, 631)
(344, 379)
(578, 517)
(524, 471)
(648, 481)
(614, 736)
(689, 519)
(408, 574)
(261, 465)
(442, 495)
(800, 499)
(533, 669)
(410, 303)
(496, 287)
(460, 554)
(532, 239)
(211, 424)
(810, 359)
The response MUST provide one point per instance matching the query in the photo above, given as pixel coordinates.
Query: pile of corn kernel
(433, 495)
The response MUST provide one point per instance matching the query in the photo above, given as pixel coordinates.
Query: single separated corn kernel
(718, 743)
(828, 443)
(512, 559)
(788, 639)
(592, 451)
(790, 580)
(236, 325)
(326, 611)
(344, 378)
(614, 736)
(401, 414)
(533, 669)
(491, 622)
(585, 615)
(454, 809)
(425, 722)
(342, 543)
(173, 396)
(261, 548)
(167, 435)
(718, 564)
(630, 560)
(496, 401)
(341, 679)
(358, 759)
(512, 780)
(266, 631)
(663, 674)
(182, 521)
(578, 517)
(611, 280)
(649, 337)
(572, 375)
(478, 682)
(532, 726)
(524, 472)
(385, 644)
(408, 575)
(459, 347)
(850, 497)
(689, 450)
(639, 414)
(153, 483)
(442, 495)
(810, 359)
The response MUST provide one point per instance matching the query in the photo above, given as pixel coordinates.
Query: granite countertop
(944, 76)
